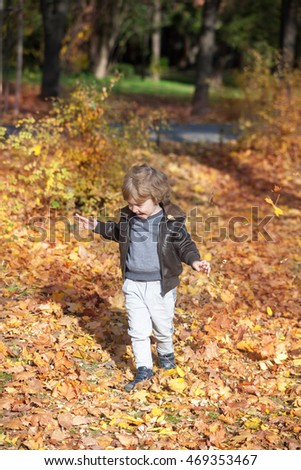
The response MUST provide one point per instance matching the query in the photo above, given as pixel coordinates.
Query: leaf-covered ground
(65, 353)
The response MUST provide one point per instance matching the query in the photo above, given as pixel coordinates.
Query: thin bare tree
(288, 33)
(20, 14)
(156, 40)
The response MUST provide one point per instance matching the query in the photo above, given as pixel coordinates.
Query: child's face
(144, 209)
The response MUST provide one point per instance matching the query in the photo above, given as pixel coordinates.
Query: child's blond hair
(143, 182)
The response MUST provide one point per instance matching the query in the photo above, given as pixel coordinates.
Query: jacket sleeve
(185, 246)
(109, 230)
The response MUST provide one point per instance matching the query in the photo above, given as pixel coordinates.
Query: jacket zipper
(126, 250)
(160, 254)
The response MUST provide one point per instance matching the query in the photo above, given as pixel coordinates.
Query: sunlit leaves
(64, 350)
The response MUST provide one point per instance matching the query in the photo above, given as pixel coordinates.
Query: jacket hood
(173, 211)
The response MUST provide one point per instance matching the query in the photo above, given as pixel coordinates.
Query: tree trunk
(108, 18)
(19, 55)
(102, 64)
(156, 40)
(288, 34)
(54, 13)
(7, 51)
(205, 56)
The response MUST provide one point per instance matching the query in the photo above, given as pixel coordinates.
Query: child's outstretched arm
(108, 230)
(88, 223)
(202, 266)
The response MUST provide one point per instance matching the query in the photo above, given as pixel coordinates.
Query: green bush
(125, 70)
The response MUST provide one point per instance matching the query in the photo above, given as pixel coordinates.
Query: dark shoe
(167, 361)
(143, 373)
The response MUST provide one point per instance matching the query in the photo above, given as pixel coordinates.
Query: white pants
(149, 312)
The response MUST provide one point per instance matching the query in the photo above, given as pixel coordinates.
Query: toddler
(153, 243)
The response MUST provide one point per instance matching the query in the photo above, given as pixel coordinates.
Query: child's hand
(88, 223)
(202, 266)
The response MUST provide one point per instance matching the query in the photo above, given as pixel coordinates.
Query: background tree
(288, 33)
(108, 19)
(54, 14)
(20, 14)
(205, 56)
(148, 37)
(244, 26)
(156, 40)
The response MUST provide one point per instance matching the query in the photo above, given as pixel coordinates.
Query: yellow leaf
(280, 357)
(269, 200)
(269, 311)
(281, 384)
(180, 372)
(37, 150)
(177, 385)
(58, 296)
(227, 296)
(253, 423)
(140, 395)
(245, 346)
(133, 420)
(124, 425)
(167, 432)
(11, 390)
(256, 328)
(278, 211)
(207, 257)
(199, 392)
(156, 412)
(297, 362)
(161, 419)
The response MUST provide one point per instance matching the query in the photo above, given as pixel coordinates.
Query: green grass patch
(162, 88)
(4, 379)
(135, 85)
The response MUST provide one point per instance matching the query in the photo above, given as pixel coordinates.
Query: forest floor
(65, 353)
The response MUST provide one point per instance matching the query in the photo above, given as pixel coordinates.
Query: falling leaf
(269, 311)
(277, 210)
